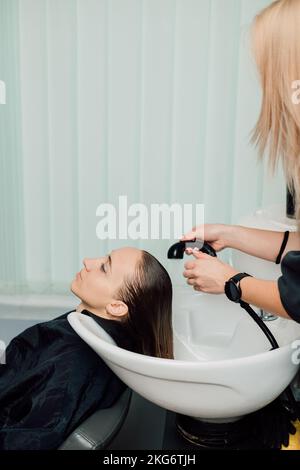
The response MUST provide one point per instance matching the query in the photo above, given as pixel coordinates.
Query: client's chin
(73, 287)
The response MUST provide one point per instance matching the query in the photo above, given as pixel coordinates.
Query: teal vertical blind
(152, 99)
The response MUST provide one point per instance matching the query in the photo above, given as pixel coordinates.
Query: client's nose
(92, 263)
(88, 263)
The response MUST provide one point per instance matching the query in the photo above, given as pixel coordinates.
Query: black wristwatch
(232, 287)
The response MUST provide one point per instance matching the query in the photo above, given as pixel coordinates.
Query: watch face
(232, 291)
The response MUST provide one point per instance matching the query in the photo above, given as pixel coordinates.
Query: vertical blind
(152, 99)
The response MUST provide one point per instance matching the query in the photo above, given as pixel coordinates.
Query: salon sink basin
(224, 367)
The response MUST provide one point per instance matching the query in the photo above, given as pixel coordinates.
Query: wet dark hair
(148, 297)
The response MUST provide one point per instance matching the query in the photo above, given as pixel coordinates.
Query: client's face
(101, 278)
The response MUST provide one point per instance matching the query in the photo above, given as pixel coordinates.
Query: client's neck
(82, 306)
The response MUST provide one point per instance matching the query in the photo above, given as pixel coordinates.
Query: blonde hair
(276, 48)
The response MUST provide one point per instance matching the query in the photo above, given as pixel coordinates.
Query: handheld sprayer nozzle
(177, 250)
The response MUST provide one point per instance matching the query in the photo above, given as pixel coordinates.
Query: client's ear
(117, 308)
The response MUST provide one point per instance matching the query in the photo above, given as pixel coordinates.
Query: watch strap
(238, 277)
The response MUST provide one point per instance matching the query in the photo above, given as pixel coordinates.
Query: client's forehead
(127, 256)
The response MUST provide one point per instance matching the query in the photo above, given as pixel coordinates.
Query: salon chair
(97, 431)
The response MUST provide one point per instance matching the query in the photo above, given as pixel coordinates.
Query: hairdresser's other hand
(207, 273)
(214, 234)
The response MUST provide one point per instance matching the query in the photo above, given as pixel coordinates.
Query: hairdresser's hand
(217, 235)
(207, 273)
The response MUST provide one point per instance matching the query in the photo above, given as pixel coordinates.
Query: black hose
(260, 323)
(289, 394)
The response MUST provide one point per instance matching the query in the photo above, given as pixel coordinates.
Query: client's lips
(79, 275)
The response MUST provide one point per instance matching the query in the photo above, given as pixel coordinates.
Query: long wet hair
(276, 47)
(148, 296)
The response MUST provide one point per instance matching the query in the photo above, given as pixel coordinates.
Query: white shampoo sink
(223, 367)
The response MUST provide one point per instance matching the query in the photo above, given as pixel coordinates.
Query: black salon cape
(51, 382)
(289, 284)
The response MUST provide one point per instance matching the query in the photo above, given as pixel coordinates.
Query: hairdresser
(276, 46)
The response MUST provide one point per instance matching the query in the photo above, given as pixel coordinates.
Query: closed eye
(102, 267)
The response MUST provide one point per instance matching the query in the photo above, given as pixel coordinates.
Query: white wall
(153, 99)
